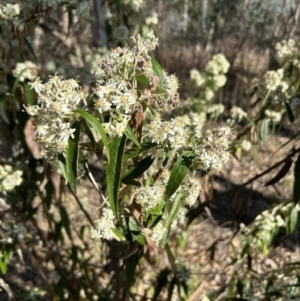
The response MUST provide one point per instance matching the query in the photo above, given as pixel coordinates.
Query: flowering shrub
(152, 146)
(128, 92)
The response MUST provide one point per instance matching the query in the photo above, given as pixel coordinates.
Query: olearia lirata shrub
(156, 159)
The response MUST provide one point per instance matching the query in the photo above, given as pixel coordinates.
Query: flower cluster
(215, 110)
(246, 145)
(267, 224)
(238, 114)
(104, 225)
(9, 178)
(186, 132)
(151, 18)
(8, 15)
(214, 75)
(27, 70)
(115, 84)
(54, 114)
(274, 79)
(280, 86)
(287, 51)
(207, 84)
(197, 77)
(135, 5)
(8, 11)
(150, 197)
(273, 115)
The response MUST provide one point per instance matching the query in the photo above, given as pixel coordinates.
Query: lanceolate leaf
(113, 171)
(174, 209)
(264, 129)
(293, 220)
(93, 121)
(16, 82)
(63, 166)
(297, 181)
(157, 69)
(72, 159)
(289, 112)
(142, 80)
(130, 134)
(119, 234)
(178, 173)
(89, 132)
(135, 151)
(139, 169)
(29, 94)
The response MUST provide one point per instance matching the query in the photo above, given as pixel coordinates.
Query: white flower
(117, 128)
(27, 70)
(104, 226)
(159, 232)
(197, 77)
(152, 18)
(102, 105)
(246, 145)
(238, 113)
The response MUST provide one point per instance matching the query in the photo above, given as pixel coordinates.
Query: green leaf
(178, 173)
(136, 151)
(29, 94)
(132, 183)
(138, 170)
(142, 80)
(113, 171)
(119, 234)
(3, 267)
(296, 194)
(293, 219)
(264, 129)
(72, 153)
(90, 133)
(166, 156)
(130, 134)
(157, 210)
(158, 71)
(176, 205)
(251, 121)
(139, 238)
(65, 221)
(17, 80)
(63, 166)
(93, 121)
(289, 112)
